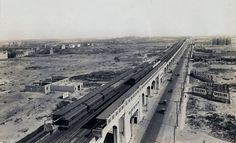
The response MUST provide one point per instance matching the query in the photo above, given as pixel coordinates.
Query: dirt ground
(22, 112)
(208, 121)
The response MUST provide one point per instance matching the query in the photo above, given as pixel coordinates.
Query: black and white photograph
(117, 71)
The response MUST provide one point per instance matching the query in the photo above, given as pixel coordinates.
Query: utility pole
(181, 95)
(177, 116)
(174, 133)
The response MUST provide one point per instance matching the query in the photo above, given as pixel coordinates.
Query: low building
(216, 92)
(23, 53)
(201, 76)
(38, 87)
(45, 85)
(29, 52)
(20, 54)
(66, 87)
(199, 90)
(54, 84)
(63, 47)
(221, 92)
(203, 55)
(68, 46)
(71, 46)
(3, 55)
(65, 95)
(51, 51)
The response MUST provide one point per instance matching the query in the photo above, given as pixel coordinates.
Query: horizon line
(111, 38)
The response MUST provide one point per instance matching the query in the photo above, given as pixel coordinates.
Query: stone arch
(143, 99)
(153, 86)
(112, 136)
(165, 70)
(157, 82)
(148, 91)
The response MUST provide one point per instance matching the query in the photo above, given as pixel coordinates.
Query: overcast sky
(43, 19)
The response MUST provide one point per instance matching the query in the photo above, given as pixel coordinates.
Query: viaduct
(125, 112)
(112, 112)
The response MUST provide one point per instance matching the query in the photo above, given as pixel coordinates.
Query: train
(61, 112)
(83, 109)
(89, 106)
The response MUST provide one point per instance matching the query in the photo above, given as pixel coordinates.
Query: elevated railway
(76, 120)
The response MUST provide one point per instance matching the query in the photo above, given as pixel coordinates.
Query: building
(199, 90)
(45, 85)
(55, 84)
(63, 47)
(221, 41)
(39, 86)
(216, 92)
(3, 55)
(201, 76)
(29, 52)
(20, 54)
(66, 86)
(23, 53)
(51, 51)
(71, 46)
(203, 55)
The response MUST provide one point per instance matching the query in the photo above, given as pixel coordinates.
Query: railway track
(71, 132)
(70, 135)
(109, 93)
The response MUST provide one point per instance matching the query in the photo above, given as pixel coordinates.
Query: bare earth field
(209, 121)
(22, 112)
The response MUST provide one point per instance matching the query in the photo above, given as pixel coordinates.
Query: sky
(66, 19)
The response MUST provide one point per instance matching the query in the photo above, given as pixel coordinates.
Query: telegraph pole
(176, 103)
(181, 96)
(174, 133)
(177, 116)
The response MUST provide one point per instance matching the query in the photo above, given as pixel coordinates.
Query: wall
(64, 88)
(223, 95)
(199, 90)
(47, 88)
(3, 55)
(32, 88)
